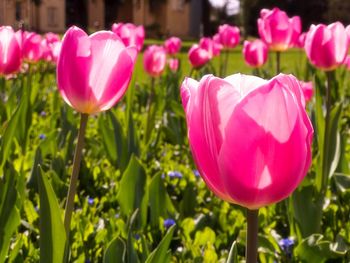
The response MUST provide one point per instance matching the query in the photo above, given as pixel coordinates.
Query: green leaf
(307, 214)
(52, 232)
(161, 254)
(115, 252)
(113, 139)
(159, 200)
(12, 129)
(9, 214)
(132, 189)
(314, 249)
(342, 181)
(232, 257)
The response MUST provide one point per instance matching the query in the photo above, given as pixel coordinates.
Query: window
(52, 17)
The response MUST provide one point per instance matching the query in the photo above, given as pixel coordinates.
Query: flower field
(116, 150)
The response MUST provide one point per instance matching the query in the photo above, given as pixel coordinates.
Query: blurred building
(160, 17)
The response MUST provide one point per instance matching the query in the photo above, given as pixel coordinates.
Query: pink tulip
(307, 89)
(347, 30)
(198, 56)
(154, 60)
(277, 30)
(173, 64)
(130, 34)
(52, 37)
(10, 51)
(301, 40)
(327, 46)
(55, 50)
(250, 138)
(210, 46)
(172, 45)
(93, 72)
(255, 53)
(32, 49)
(46, 50)
(229, 36)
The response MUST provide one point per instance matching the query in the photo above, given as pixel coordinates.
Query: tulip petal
(73, 69)
(264, 155)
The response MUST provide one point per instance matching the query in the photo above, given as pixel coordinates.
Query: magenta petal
(265, 154)
(73, 69)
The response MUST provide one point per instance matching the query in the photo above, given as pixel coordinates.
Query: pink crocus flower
(248, 150)
(93, 72)
(10, 51)
(326, 46)
(277, 30)
(198, 56)
(154, 60)
(255, 53)
(229, 36)
(172, 45)
(130, 34)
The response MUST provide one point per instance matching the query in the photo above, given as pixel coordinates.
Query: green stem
(226, 62)
(75, 173)
(251, 253)
(278, 61)
(191, 72)
(326, 146)
(149, 111)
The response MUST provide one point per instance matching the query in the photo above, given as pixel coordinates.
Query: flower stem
(326, 145)
(75, 173)
(278, 62)
(226, 62)
(150, 114)
(252, 236)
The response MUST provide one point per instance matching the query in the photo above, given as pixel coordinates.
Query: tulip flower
(55, 50)
(198, 56)
(229, 36)
(172, 45)
(255, 53)
(307, 89)
(277, 30)
(32, 49)
(130, 34)
(327, 46)
(210, 46)
(250, 138)
(173, 64)
(10, 51)
(93, 72)
(154, 60)
(301, 40)
(52, 37)
(347, 29)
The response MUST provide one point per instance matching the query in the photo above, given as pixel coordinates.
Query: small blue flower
(116, 215)
(43, 114)
(42, 136)
(169, 222)
(87, 261)
(196, 173)
(175, 174)
(287, 246)
(137, 236)
(90, 201)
